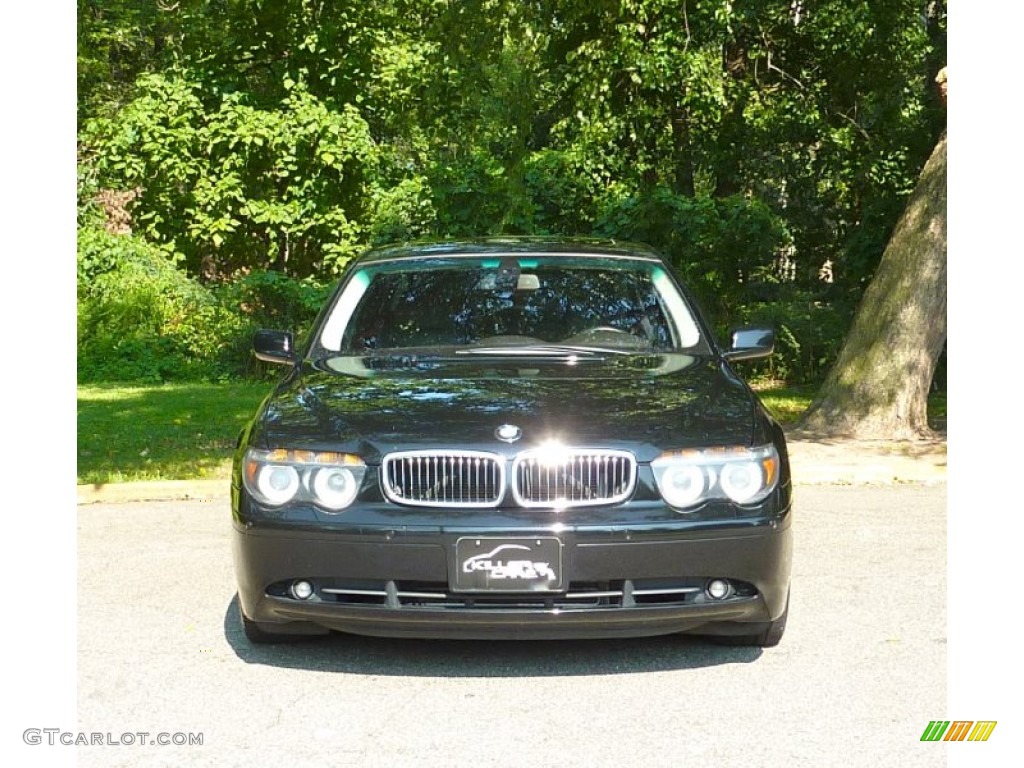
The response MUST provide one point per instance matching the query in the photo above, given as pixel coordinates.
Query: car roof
(512, 246)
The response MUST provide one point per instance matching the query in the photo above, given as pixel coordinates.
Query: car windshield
(510, 304)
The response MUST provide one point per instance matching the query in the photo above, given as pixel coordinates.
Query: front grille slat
(573, 477)
(616, 595)
(443, 478)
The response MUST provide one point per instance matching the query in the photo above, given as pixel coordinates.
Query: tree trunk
(682, 152)
(878, 387)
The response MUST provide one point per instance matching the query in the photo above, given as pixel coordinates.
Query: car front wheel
(259, 636)
(767, 638)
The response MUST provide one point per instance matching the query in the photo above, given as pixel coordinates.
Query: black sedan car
(512, 438)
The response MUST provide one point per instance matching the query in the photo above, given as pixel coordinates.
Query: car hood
(646, 404)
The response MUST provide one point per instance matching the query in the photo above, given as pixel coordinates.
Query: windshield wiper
(543, 350)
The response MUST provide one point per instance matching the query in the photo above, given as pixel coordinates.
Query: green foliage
(265, 299)
(404, 212)
(479, 198)
(725, 249)
(786, 405)
(275, 300)
(564, 191)
(757, 143)
(808, 334)
(820, 111)
(232, 186)
(140, 318)
(117, 41)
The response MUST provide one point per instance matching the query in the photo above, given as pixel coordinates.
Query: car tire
(767, 638)
(258, 636)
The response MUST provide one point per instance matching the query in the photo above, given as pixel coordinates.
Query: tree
(767, 148)
(878, 387)
(117, 41)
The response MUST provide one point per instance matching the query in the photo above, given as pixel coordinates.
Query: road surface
(860, 672)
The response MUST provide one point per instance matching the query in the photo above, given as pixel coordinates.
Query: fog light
(301, 590)
(718, 589)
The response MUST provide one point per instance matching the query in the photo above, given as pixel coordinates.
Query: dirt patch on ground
(819, 459)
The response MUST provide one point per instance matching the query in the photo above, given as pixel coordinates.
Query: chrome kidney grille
(568, 477)
(444, 478)
(573, 477)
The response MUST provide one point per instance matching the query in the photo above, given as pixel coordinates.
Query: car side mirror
(274, 346)
(751, 343)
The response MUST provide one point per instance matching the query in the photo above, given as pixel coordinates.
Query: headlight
(329, 480)
(335, 487)
(683, 485)
(743, 475)
(277, 483)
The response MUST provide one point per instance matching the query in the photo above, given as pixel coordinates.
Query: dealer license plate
(490, 564)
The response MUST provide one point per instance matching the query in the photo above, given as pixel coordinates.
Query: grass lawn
(163, 432)
(788, 404)
(188, 431)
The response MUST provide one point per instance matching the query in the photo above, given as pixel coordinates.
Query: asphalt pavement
(860, 672)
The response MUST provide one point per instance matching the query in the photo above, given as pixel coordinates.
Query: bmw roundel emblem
(508, 432)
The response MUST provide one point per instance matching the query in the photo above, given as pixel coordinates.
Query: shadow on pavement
(353, 654)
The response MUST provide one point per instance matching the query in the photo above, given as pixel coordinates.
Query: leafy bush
(265, 300)
(404, 212)
(140, 318)
(564, 195)
(475, 197)
(234, 186)
(808, 335)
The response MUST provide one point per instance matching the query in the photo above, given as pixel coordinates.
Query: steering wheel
(606, 334)
(604, 329)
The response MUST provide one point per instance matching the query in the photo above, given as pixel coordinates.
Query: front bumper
(620, 580)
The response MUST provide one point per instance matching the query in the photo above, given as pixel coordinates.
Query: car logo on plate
(508, 432)
(508, 569)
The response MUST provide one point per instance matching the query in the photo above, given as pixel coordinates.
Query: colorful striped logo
(958, 730)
